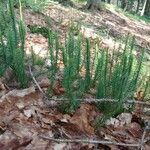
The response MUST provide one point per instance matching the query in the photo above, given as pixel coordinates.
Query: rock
(20, 104)
(29, 112)
(113, 121)
(121, 120)
(146, 111)
(125, 118)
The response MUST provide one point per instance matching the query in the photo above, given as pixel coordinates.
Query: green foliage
(75, 28)
(80, 1)
(37, 60)
(12, 40)
(113, 76)
(123, 80)
(104, 31)
(71, 60)
(65, 2)
(87, 65)
(147, 89)
(53, 51)
(36, 5)
(39, 30)
(138, 17)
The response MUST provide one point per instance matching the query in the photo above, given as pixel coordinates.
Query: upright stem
(144, 6)
(20, 9)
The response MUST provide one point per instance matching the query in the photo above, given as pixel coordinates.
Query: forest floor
(28, 121)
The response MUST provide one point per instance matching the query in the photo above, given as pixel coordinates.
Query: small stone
(20, 105)
(28, 113)
(147, 111)
(125, 118)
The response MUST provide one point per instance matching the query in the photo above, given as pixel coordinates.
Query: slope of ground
(106, 26)
(116, 24)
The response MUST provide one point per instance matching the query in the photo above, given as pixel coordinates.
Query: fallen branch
(142, 140)
(102, 100)
(45, 98)
(88, 141)
(40, 89)
(147, 140)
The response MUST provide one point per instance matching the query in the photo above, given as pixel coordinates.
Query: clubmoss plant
(71, 54)
(87, 66)
(123, 81)
(53, 57)
(12, 41)
(114, 74)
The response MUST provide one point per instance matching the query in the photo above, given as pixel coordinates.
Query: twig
(35, 81)
(101, 100)
(146, 140)
(142, 140)
(45, 98)
(88, 141)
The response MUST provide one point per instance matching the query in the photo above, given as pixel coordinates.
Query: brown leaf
(44, 83)
(135, 130)
(69, 130)
(81, 118)
(58, 89)
(18, 93)
(9, 141)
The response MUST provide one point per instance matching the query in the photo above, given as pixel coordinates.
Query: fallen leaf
(58, 89)
(18, 93)
(81, 118)
(135, 130)
(44, 83)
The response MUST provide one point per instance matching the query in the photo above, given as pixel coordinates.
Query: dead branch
(46, 101)
(142, 139)
(40, 89)
(147, 140)
(102, 100)
(88, 141)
